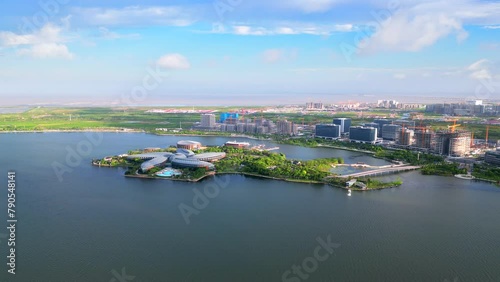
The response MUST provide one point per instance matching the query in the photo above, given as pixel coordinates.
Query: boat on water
(262, 147)
(465, 176)
(236, 144)
(349, 192)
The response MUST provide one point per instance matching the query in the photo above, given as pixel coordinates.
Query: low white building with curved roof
(183, 158)
(209, 157)
(192, 163)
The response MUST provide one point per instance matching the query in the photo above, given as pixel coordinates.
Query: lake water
(95, 223)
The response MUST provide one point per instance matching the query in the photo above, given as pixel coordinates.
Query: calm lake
(93, 224)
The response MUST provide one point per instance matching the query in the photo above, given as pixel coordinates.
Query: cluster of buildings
(311, 106)
(471, 108)
(231, 122)
(402, 132)
(393, 104)
(387, 104)
(341, 127)
(335, 130)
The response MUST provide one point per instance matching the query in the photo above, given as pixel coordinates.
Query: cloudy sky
(242, 51)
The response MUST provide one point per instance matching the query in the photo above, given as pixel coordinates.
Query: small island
(190, 161)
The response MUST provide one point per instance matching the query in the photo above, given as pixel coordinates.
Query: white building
(208, 120)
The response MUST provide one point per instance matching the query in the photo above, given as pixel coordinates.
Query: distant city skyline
(247, 52)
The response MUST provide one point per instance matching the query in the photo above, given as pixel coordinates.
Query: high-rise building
(259, 121)
(208, 120)
(345, 124)
(261, 130)
(272, 127)
(285, 127)
(250, 128)
(391, 132)
(328, 130)
(381, 123)
(363, 134)
(406, 137)
(240, 127)
(455, 144)
(225, 116)
(425, 139)
(460, 144)
(314, 106)
(389, 104)
(230, 127)
(318, 106)
(492, 157)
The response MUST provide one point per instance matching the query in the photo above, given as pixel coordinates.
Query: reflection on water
(342, 170)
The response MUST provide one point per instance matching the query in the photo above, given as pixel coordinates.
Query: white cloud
(48, 42)
(480, 70)
(137, 15)
(247, 30)
(48, 33)
(399, 76)
(405, 31)
(174, 61)
(312, 6)
(416, 25)
(492, 26)
(110, 35)
(47, 50)
(344, 27)
(286, 29)
(271, 56)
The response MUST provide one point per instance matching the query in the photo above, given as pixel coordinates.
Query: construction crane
(242, 115)
(487, 132)
(454, 126)
(424, 130)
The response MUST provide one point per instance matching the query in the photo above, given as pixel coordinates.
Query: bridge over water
(381, 171)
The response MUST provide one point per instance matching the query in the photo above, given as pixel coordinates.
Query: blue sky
(241, 51)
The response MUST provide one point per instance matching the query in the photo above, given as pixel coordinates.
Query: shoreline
(212, 135)
(346, 149)
(139, 176)
(75, 131)
(132, 131)
(165, 178)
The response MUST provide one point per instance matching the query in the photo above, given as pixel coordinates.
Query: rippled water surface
(95, 223)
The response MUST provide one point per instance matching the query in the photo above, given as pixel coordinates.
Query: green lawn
(46, 118)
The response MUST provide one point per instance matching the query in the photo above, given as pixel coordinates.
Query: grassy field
(93, 118)
(46, 118)
(137, 118)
